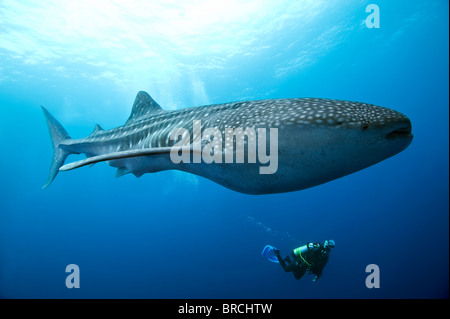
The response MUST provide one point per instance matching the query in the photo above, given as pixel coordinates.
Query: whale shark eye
(365, 127)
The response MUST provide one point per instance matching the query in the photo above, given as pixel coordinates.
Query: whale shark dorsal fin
(143, 106)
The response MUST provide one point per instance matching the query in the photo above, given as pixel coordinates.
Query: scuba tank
(301, 251)
(305, 248)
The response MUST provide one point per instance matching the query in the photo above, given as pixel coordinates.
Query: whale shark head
(372, 125)
(376, 128)
(331, 138)
(359, 122)
(377, 132)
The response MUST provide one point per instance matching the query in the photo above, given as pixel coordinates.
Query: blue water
(175, 235)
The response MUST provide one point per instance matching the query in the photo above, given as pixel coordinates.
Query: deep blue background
(172, 235)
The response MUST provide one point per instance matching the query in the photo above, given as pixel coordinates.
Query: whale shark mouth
(400, 133)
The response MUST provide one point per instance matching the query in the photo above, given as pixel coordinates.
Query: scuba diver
(311, 257)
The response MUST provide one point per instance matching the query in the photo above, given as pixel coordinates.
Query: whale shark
(317, 140)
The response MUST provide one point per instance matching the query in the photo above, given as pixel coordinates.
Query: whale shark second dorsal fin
(97, 128)
(143, 106)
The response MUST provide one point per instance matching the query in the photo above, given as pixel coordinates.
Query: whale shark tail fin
(57, 134)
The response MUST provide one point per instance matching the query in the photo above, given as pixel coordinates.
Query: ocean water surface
(175, 235)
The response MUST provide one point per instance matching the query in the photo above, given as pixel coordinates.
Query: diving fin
(269, 254)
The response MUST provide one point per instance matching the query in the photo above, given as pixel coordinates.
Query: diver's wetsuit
(314, 258)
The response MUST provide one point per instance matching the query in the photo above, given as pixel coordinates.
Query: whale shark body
(317, 140)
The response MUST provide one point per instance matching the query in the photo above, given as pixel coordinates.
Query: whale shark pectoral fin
(115, 156)
(122, 155)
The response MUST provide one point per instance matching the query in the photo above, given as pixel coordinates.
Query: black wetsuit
(313, 260)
